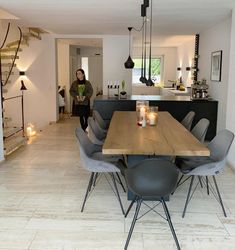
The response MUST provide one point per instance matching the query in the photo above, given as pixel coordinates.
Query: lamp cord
(150, 45)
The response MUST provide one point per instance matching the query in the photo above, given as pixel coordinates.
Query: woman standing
(81, 91)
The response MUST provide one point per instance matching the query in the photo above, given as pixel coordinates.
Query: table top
(168, 137)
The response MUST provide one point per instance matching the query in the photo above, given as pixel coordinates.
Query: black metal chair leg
(95, 179)
(200, 181)
(121, 182)
(170, 223)
(88, 190)
(188, 196)
(117, 193)
(220, 199)
(139, 201)
(129, 208)
(207, 185)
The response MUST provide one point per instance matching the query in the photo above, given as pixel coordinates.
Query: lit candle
(142, 112)
(29, 131)
(152, 119)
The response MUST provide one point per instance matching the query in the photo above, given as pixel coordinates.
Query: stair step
(6, 121)
(11, 131)
(8, 65)
(31, 34)
(13, 144)
(36, 30)
(7, 57)
(6, 73)
(15, 43)
(9, 50)
(4, 81)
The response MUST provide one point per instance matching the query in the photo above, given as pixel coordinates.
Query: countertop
(149, 98)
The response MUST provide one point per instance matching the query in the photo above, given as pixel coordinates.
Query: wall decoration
(216, 65)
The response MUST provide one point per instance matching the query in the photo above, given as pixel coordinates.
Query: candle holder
(141, 112)
(152, 116)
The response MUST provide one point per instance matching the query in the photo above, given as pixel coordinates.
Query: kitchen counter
(177, 106)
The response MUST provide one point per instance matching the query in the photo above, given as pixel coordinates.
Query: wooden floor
(41, 190)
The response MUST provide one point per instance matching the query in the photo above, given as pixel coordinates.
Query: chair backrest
(95, 134)
(220, 145)
(188, 120)
(219, 148)
(200, 129)
(152, 177)
(99, 119)
(86, 149)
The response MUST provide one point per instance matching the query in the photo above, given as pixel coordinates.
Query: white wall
(63, 70)
(230, 118)
(115, 53)
(185, 54)
(169, 54)
(216, 38)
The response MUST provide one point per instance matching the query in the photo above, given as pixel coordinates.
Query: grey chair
(207, 166)
(200, 129)
(96, 134)
(95, 162)
(188, 120)
(100, 120)
(151, 179)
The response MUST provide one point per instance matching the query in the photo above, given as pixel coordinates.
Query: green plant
(123, 85)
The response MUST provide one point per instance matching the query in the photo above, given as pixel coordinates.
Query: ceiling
(178, 18)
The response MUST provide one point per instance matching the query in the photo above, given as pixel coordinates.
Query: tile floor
(41, 190)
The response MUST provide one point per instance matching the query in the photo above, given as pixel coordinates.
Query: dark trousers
(83, 111)
(83, 121)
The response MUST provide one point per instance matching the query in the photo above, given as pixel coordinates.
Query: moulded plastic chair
(208, 166)
(200, 129)
(188, 120)
(100, 120)
(96, 163)
(151, 178)
(96, 134)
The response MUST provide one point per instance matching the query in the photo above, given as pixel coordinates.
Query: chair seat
(109, 158)
(187, 164)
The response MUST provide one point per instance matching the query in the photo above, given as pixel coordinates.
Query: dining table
(167, 138)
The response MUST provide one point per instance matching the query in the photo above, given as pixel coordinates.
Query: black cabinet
(177, 106)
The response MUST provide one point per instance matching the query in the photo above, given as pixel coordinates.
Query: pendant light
(143, 14)
(129, 64)
(150, 82)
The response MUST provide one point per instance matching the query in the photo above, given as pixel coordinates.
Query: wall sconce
(22, 73)
(179, 69)
(188, 68)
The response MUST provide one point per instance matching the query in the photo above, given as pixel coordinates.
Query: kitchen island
(177, 106)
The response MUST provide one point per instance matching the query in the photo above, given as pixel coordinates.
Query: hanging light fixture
(143, 62)
(150, 82)
(129, 64)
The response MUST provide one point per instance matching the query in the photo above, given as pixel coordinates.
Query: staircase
(13, 136)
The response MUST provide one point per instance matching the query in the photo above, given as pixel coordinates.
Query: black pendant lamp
(150, 82)
(143, 62)
(129, 64)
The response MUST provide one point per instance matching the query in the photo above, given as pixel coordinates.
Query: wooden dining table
(168, 137)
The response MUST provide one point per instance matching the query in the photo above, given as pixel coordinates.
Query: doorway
(86, 53)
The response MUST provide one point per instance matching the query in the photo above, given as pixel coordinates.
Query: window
(156, 73)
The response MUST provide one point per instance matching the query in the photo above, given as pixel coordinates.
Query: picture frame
(216, 65)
